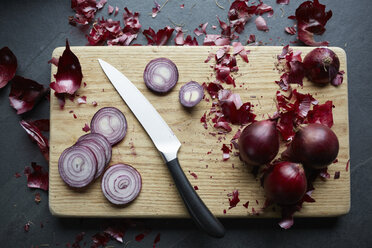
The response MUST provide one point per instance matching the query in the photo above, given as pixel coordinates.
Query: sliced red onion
(77, 166)
(160, 75)
(99, 138)
(111, 123)
(121, 184)
(191, 94)
(99, 154)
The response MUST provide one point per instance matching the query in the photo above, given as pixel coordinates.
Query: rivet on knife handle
(196, 207)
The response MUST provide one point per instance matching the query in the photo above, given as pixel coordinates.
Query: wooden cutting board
(200, 152)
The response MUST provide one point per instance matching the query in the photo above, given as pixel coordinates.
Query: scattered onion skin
(162, 69)
(315, 146)
(321, 65)
(259, 142)
(285, 183)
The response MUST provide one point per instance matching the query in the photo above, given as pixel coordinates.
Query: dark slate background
(32, 29)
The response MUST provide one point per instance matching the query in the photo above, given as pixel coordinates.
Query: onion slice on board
(160, 75)
(99, 154)
(191, 94)
(111, 123)
(99, 138)
(77, 166)
(121, 184)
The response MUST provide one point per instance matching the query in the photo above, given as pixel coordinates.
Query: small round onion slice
(160, 75)
(191, 94)
(99, 154)
(111, 123)
(99, 138)
(77, 166)
(121, 184)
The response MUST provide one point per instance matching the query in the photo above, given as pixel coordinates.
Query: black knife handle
(196, 207)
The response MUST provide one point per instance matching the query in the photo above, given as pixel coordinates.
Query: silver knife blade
(158, 130)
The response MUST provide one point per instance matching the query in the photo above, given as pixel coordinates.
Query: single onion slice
(121, 184)
(285, 183)
(99, 138)
(111, 123)
(99, 154)
(8, 66)
(191, 94)
(77, 166)
(160, 75)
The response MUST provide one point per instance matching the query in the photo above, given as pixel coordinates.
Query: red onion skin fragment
(115, 233)
(285, 183)
(69, 75)
(234, 199)
(25, 93)
(311, 19)
(160, 38)
(321, 114)
(321, 65)
(160, 75)
(121, 184)
(191, 94)
(282, 1)
(111, 123)
(35, 134)
(77, 166)
(259, 143)
(157, 238)
(38, 178)
(315, 146)
(8, 66)
(261, 24)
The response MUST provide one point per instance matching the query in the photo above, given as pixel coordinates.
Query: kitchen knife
(167, 144)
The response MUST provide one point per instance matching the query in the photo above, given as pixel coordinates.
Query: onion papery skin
(77, 166)
(315, 146)
(162, 69)
(191, 94)
(111, 123)
(321, 65)
(285, 183)
(259, 143)
(102, 141)
(121, 184)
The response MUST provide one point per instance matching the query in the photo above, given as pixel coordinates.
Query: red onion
(191, 94)
(8, 66)
(102, 141)
(111, 123)
(259, 142)
(160, 75)
(315, 146)
(121, 184)
(98, 152)
(321, 65)
(285, 183)
(77, 166)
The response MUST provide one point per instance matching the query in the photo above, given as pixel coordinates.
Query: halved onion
(160, 75)
(121, 184)
(77, 166)
(102, 141)
(191, 94)
(111, 123)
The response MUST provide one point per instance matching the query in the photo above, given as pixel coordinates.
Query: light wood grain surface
(216, 178)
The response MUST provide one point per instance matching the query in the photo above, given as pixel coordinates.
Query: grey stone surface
(32, 29)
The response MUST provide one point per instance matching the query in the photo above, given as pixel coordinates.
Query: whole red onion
(259, 142)
(321, 65)
(315, 146)
(285, 183)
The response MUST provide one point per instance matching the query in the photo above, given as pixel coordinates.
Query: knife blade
(167, 144)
